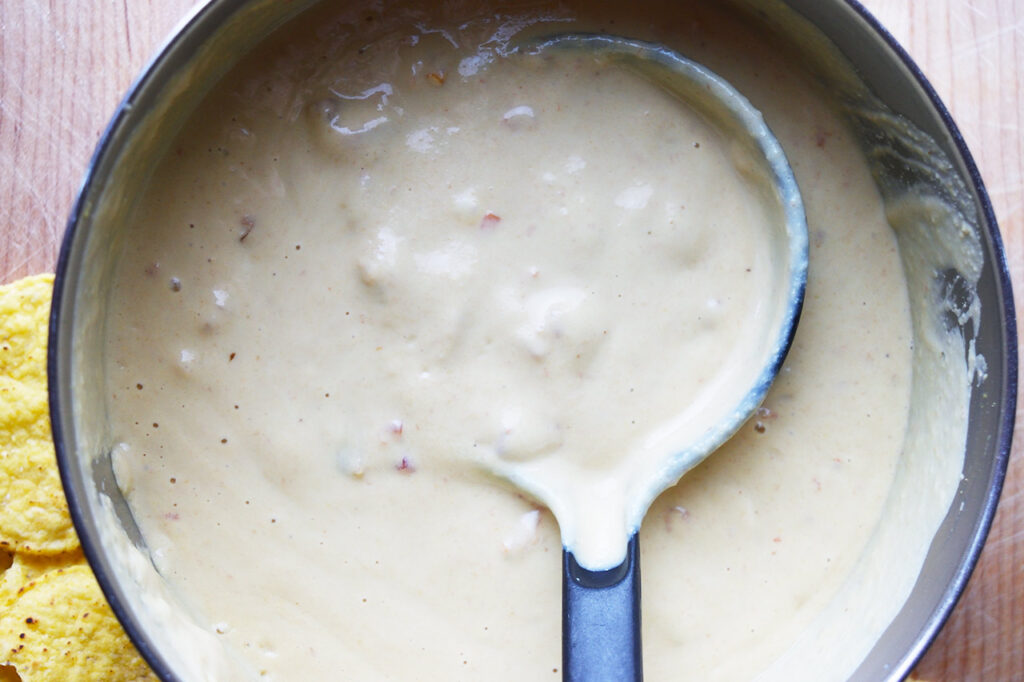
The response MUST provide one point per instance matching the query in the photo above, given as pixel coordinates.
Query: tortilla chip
(61, 628)
(25, 568)
(24, 322)
(34, 515)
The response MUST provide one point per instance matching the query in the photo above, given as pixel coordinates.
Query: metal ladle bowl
(601, 609)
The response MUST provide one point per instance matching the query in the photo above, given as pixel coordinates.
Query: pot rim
(214, 13)
(1008, 400)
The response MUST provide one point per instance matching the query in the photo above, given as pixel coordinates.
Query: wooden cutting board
(65, 64)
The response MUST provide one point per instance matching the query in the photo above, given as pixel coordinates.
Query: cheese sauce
(389, 254)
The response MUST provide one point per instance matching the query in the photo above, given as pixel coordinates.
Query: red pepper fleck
(405, 466)
(490, 221)
(248, 222)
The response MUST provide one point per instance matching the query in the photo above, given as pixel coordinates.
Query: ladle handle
(601, 621)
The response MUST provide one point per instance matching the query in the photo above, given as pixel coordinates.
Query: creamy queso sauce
(388, 256)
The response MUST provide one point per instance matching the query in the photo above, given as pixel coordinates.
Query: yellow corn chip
(34, 515)
(25, 568)
(61, 628)
(24, 321)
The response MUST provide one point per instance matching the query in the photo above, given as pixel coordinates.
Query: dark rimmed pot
(163, 94)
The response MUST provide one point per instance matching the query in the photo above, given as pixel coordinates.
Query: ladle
(601, 609)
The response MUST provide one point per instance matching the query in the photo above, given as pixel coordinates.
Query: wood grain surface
(65, 64)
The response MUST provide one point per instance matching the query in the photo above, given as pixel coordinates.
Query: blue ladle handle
(601, 620)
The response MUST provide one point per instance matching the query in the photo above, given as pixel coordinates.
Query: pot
(913, 146)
